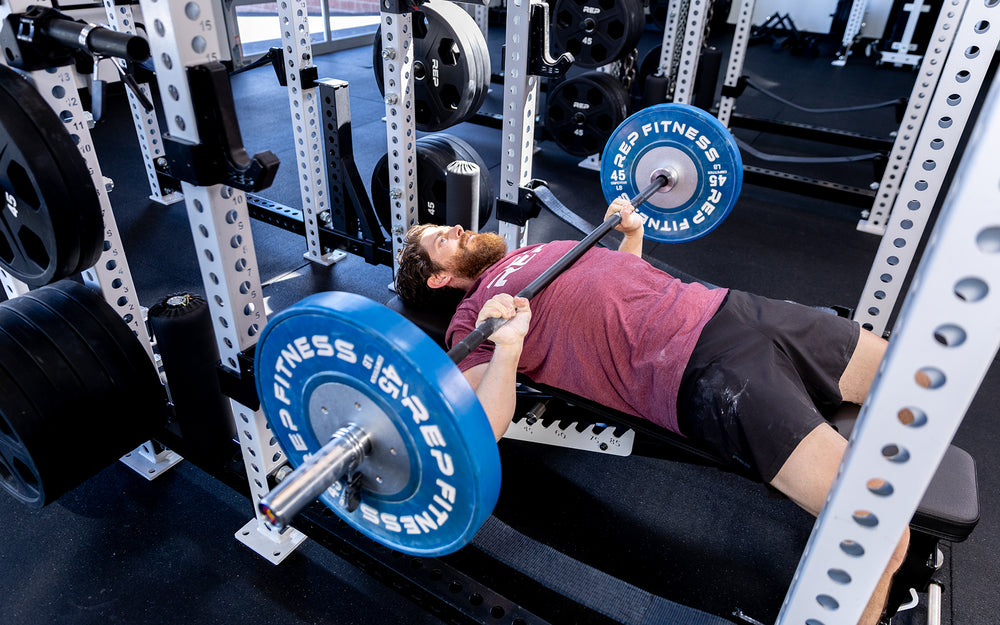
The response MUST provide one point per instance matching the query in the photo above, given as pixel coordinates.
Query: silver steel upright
(694, 31)
(12, 287)
(673, 24)
(948, 332)
(520, 101)
(400, 125)
(147, 128)
(307, 128)
(481, 13)
(916, 111)
(181, 37)
(737, 55)
(947, 112)
(855, 22)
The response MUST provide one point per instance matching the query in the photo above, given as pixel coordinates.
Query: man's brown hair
(415, 267)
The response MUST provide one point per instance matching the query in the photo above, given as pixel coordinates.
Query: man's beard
(477, 252)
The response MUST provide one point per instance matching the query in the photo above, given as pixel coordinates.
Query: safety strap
(781, 158)
(841, 109)
(557, 208)
(582, 583)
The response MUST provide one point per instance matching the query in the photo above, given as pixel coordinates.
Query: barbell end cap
(271, 518)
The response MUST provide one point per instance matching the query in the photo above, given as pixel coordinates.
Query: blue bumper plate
(699, 154)
(433, 474)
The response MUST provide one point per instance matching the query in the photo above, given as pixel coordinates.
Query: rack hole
(971, 289)
(895, 453)
(930, 377)
(911, 417)
(880, 487)
(852, 548)
(865, 518)
(988, 240)
(949, 335)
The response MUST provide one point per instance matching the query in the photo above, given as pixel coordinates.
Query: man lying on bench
(749, 377)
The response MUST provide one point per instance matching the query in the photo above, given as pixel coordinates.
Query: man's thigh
(806, 476)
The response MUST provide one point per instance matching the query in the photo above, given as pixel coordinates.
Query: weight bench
(948, 511)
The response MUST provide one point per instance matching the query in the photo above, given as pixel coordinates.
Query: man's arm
(631, 226)
(495, 382)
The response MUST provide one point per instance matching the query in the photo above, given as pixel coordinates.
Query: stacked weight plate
(583, 111)
(451, 65)
(50, 220)
(434, 153)
(596, 32)
(77, 391)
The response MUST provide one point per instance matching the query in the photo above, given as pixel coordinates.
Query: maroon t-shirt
(610, 328)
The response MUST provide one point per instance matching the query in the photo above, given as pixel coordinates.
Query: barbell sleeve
(340, 456)
(484, 330)
(80, 35)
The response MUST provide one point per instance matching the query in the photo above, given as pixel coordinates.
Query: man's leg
(806, 477)
(808, 473)
(857, 378)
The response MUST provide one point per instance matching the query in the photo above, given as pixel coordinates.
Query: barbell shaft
(348, 447)
(484, 330)
(340, 456)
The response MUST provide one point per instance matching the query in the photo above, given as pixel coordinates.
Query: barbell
(378, 420)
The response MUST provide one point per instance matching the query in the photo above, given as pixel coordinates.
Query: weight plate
(434, 153)
(696, 149)
(18, 474)
(596, 32)
(582, 112)
(41, 425)
(451, 65)
(83, 307)
(51, 222)
(344, 355)
(77, 390)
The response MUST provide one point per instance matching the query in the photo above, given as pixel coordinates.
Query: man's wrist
(509, 350)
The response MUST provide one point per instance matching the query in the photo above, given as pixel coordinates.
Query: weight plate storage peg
(697, 154)
(430, 473)
(50, 220)
(451, 65)
(434, 154)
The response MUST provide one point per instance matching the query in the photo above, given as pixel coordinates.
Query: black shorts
(763, 374)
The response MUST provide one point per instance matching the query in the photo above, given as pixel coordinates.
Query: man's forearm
(497, 391)
(632, 243)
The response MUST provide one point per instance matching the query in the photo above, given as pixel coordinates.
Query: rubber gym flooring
(119, 549)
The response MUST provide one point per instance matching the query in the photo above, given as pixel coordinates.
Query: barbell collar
(482, 332)
(341, 456)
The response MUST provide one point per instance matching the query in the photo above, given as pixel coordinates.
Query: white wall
(817, 16)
